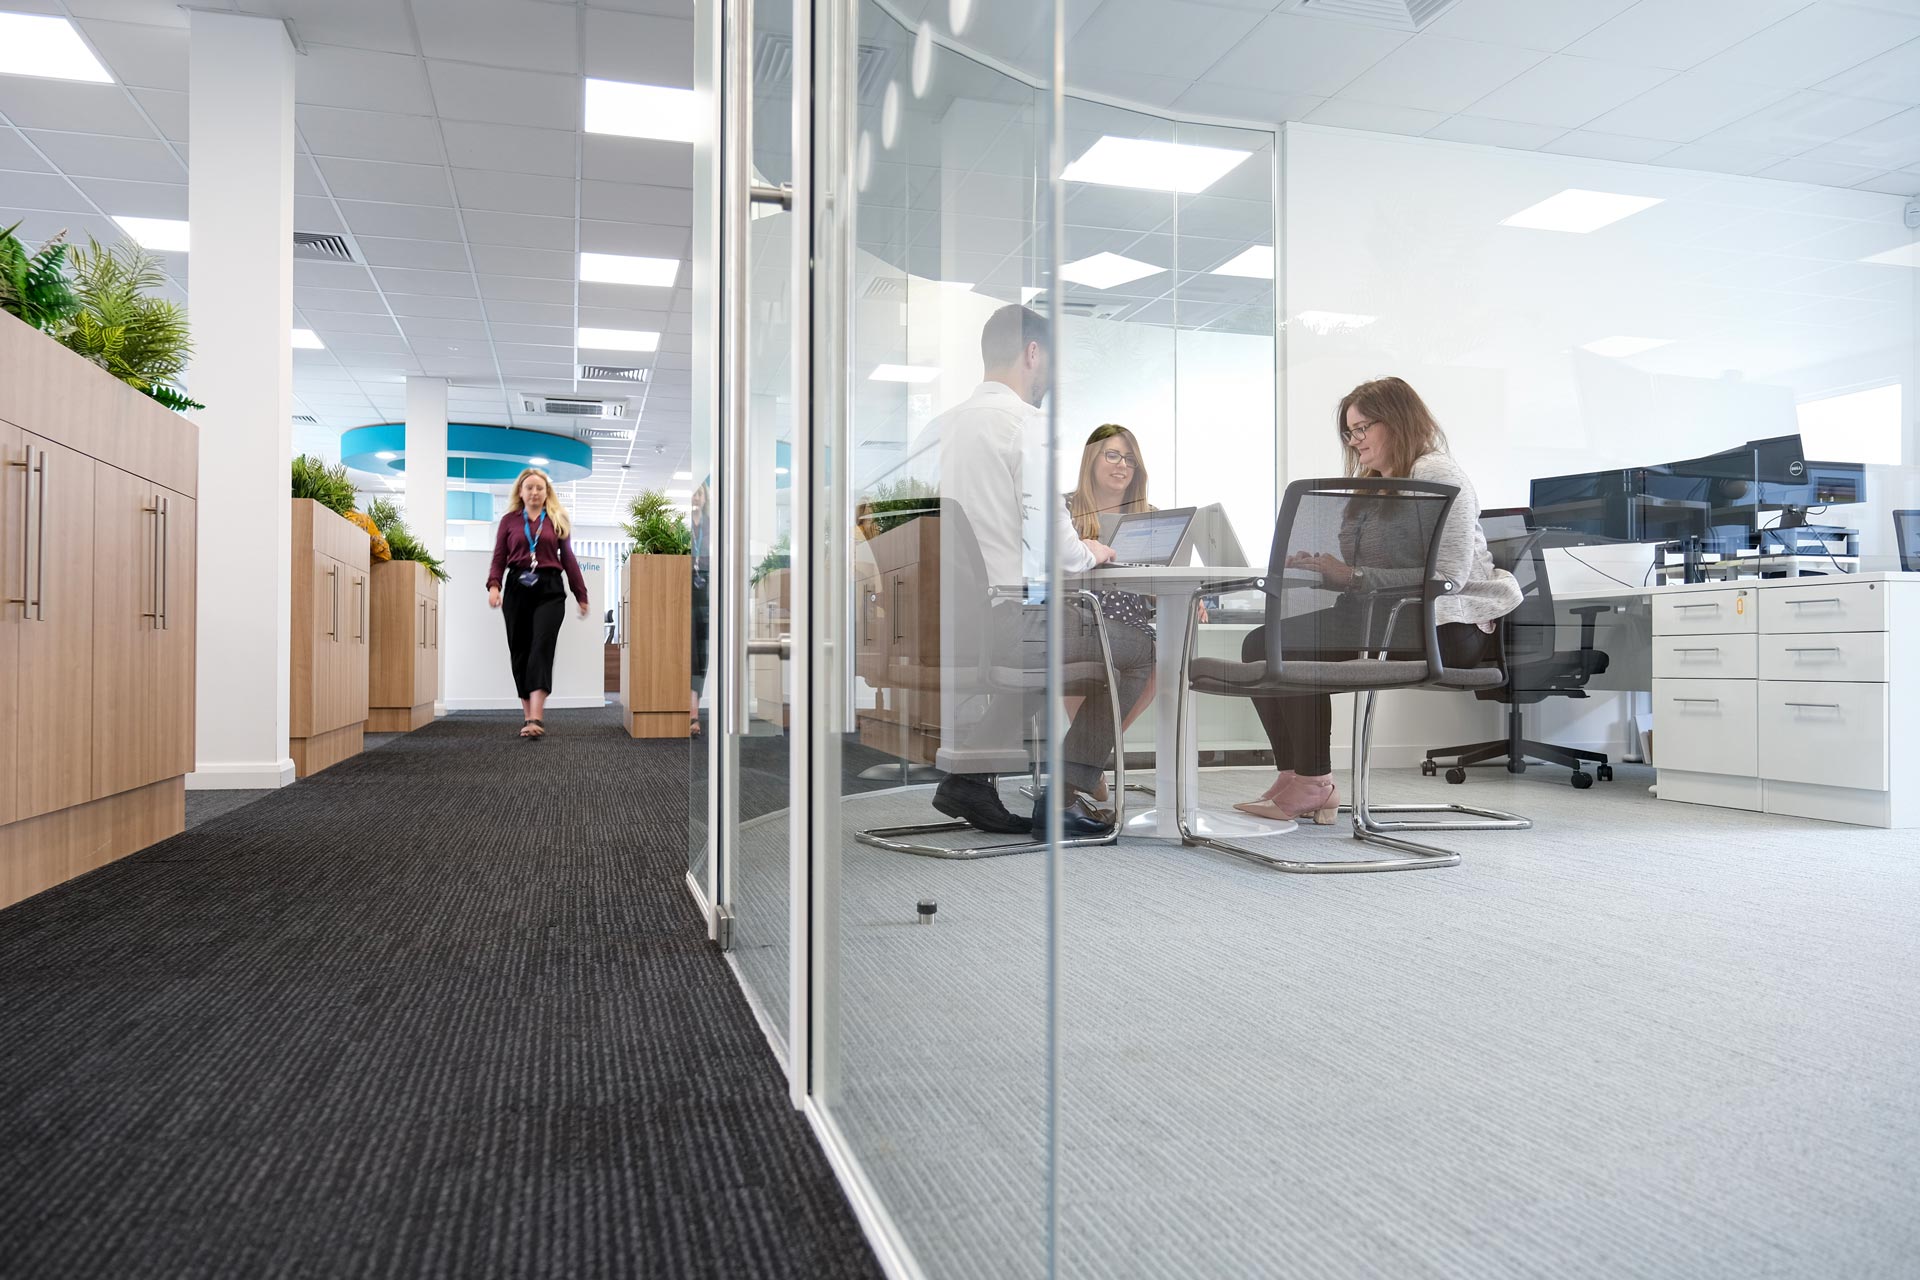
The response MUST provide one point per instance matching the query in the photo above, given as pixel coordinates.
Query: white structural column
(427, 484)
(240, 206)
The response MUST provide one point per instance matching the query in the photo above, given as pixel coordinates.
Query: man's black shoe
(972, 798)
(1075, 824)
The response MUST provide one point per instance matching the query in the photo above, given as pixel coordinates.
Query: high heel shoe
(1266, 797)
(1317, 799)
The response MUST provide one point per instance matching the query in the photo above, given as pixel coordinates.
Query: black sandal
(539, 728)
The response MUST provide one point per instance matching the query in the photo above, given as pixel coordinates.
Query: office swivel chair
(1536, 669)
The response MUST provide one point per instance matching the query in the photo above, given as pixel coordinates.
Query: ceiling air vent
(611, 373)
(601, 435)
(773, 66)
(574, 406)
(886, 289)
(1400, 15)
(316, 247)
(306, 419)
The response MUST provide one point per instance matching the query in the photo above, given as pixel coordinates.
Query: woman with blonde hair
(532, 549)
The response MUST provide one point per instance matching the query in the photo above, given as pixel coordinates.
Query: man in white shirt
(991, 452)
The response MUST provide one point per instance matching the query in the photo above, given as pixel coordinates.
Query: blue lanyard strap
(533, 533)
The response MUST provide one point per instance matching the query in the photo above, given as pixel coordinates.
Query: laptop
(1152, 538)
(1906, 536)
(1214, 538)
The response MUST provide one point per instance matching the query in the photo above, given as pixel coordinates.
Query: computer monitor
(1214, 538)
(1821, 484)
(1671, 519)
(1906, 536)
(1152, 537)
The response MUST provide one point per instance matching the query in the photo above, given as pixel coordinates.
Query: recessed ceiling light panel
(48, 47)
(643, 111)
(620, 268)
(308, 340)
(1146, 165)
(1254, 264)
(1107, 271)
(618, 339)
(1578, 212)
(911, 373)
(162, 235)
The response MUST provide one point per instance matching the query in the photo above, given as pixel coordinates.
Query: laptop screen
(1150, 537)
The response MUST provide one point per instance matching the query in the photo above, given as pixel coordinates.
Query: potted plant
(403, 673)
(656, 682)
(139, 339)
(34, 286)
(331, 599)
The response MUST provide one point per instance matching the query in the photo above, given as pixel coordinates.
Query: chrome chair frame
(890, 838)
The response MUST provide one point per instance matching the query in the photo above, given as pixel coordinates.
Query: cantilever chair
(1537, 669)
(972, 659)
(1355, 638)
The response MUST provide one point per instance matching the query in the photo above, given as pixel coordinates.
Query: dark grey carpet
(442, 1010)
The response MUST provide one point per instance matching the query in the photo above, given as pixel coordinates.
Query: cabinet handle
(1712, 604)
(333, 592)
(360, 614)
(1712, 648)
(895, 607)
(40, 552)
(423, 624)
(1825, 648)
(1826, 706)
(433, 628)
(153, 563)
(166, 562)
(1714, 701)
(1817, 600)
(25, 598)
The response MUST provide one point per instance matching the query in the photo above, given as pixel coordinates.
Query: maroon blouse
(554, 552)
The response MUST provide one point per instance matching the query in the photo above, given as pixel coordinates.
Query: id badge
(530, 577)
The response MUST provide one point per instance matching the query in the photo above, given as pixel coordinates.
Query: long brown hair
(1390, 403)
(556, 510)
(1084, 507)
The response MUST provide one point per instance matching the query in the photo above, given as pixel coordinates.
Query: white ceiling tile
(1341, 113)
(1607, 146)
(529, 98)
(364, 301)
(1903, 182)
(639, 239)
(317, 214)
(149, 57)
(446, 284)
(546, 264)
(430, 255)
(1721, 157)
(1291, 54)
(30, 103)
(137, 199)
(527, 374)
(401, 221)
(1820, 172)
(1805, 120)
(48, 192)
(1689, 106)
(369, 135)
(407, 305)
(1659, 33)
(1435, 74)
(1546, 25)
(445, 330)
(538, 335)
(1155, 91)
(348, 343)
(357, 24)
(519, 289)
(630, 202)
(627, 317)
(524, 351)
(92, 155)
(1893, 143)
(1168, 38)
(1894, 76)
(330, 76)
(167, 111)
(497, 192)
(326, 322)
(610, 159)
(386, 182)
(500, 33)
(500, 148)
(629, 296)
(640, 49)
(1820, 41)
(144, 12)
(1568, 92)
(1231, 102)
(519, 230)
(559, 315)
(1494, 133)
(306, 179)
(472, 351)
(1853, 241)
(16, 156)
(331, 275)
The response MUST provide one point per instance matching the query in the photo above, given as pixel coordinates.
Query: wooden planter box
(656, 684)
(97, 672)
(403, 672)
(331, 605)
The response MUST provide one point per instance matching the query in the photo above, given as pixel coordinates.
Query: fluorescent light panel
(33, 45)
(1620, 346)
(1254, 264)
(683, 475)
(643, 111)
(620, 268)
(162, 235)
(1333, 321)
(618, 339)
(1579, 212)
(1906, 255)
(1107, 270)
(913, 373)
(308, 340)
(1153, 166)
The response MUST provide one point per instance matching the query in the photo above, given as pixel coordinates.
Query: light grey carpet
(1642, 1039)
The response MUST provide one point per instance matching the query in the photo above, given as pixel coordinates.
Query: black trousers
(702, 629)
(534, 615)
(1300, 725)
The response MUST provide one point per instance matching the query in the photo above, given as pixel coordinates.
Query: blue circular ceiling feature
(485, 455)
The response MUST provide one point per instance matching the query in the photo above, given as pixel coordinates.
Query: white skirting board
(243, 777)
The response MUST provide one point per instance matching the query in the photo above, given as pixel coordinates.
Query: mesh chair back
(1386, 530)
(1527, 634)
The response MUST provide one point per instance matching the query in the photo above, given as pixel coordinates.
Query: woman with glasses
(1388, 431)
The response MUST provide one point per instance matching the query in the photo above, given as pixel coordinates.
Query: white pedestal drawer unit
(1794, 696)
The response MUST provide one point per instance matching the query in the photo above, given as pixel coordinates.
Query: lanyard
(533, 534)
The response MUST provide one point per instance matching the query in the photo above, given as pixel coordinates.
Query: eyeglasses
(1354, 435)
(1113, 458)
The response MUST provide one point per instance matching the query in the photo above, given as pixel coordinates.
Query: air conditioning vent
(1399, 15)
(773, 66)
(316, 247)
(574, 407)
(306, 419)
(886, 289)
(598, 435)
(611, 373)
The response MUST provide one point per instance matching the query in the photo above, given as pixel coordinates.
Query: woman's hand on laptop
(1102, 553)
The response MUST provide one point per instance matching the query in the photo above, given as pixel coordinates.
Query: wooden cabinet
(897, 640)
(332, 596)
(97, 591)
(656, 687)
(404, 677)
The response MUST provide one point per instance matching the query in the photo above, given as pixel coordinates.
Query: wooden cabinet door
(315, 645)
(355, 642)
(56, 645)
(179, 597)
(132, 703)
(426, 655)
(16, 488)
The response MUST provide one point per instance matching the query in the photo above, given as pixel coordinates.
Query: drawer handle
(1697, 649)
(1824, 648)
(1712, 604)
(1818, 600)
(1714, 701)
(1824, 706)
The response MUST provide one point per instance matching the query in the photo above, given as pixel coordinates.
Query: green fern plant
(889, 505)
(655, 528)
(34, 286)
(328, 486)
(141, 340)
(400, 540)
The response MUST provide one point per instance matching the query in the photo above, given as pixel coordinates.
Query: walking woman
(532, 548)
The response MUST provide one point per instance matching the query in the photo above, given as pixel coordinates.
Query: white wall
(479, 676)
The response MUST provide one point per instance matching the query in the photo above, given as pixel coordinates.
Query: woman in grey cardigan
(1388, 431)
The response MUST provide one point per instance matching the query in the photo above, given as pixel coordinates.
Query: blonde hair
(556, 510)
(1081, 503)
(1390, 404)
